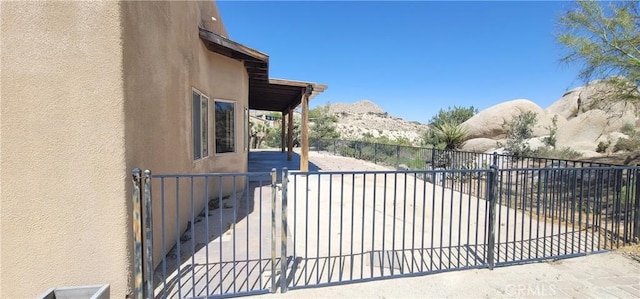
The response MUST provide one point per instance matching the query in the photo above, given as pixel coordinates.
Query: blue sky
(410, 58)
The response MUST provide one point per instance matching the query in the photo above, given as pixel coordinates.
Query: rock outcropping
(362, 118)
(583, 119)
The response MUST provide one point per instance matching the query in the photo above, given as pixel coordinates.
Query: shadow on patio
(262, 160)
(226, 249)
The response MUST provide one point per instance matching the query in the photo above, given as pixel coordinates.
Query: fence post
(334, 147)
(397, 155)
(433, 165)
(148, 233)
(491, 201)
(375, 153)
(274, 191)
(137, 236)
(636, 207)
(495, 159)
(283, 237)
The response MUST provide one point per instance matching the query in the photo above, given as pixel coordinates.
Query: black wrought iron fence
(215, 235)
(606, 192)
(423, 158)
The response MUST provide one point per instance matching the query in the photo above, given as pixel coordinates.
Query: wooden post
(304, 154)
(282, 133)
(290, 135)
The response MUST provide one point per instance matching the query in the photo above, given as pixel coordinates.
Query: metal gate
(206, 235)
(360, 226)
(216, 235)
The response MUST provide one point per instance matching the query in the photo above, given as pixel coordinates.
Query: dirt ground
(618, 159)
(632, 251)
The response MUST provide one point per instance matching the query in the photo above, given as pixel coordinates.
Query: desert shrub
(519, 129)
(452, 116)
(603, 146)
(451, 135)
(627, 193)
(322, 123)
(553, 131)
(628, 129)
(565, 153)
(627, 144)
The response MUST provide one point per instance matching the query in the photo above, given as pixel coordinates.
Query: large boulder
(488, 123)
(567, 105)
(609, 141)
(583, 131)
(479, 145)
(595, 95)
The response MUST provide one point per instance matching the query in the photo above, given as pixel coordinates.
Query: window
(200, 125)
(225, 127)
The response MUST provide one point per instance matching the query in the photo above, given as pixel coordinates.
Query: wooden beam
(282, 133)
(304, 155)
(290, 135)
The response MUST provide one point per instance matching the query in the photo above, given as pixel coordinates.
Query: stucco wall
(164, 59)
(64, 218)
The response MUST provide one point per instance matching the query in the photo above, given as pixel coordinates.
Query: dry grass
(631, 250)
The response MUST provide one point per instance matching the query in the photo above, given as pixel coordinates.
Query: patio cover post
(290, 134)
(304, 154)
(282, 132)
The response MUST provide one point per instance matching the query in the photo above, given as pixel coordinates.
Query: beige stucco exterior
(164, 59)
(90, 90)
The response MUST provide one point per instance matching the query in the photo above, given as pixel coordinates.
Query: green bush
(453, 116)
(603, 146)
(519, 129)
(553, 131)
(451, 135)
(629, 129)
(627, 144)
(565, 153)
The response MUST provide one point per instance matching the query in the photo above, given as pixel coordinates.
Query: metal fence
(422, 158)
(560, 212)
(210, 234)
(216, 235)
(359, 226)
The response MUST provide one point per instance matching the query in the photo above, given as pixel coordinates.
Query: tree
(605, 40)
(259, 131)
(322, 123)
(448, 120)
(453, 116)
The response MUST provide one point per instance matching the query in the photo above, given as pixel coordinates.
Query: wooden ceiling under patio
(279, 94)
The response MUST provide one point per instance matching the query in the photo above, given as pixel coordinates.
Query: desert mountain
(365, 117)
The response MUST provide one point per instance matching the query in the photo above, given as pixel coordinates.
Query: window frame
(203, 124)
(234, 123)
